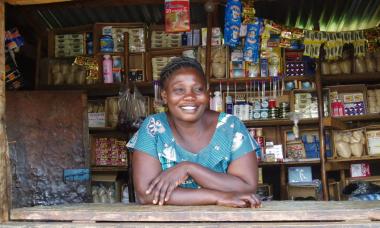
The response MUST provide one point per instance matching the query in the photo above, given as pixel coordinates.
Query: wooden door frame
(4, 151)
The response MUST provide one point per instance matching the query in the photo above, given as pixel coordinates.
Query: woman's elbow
(143, 198)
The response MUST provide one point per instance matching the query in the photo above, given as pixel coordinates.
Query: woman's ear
(164, 96)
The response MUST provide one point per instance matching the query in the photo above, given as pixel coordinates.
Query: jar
(106, 43)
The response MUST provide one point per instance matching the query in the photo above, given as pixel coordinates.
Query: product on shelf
(69, 45)
(373, 140)
(350, 98)
(110, 152)
(96, 114)
(63, 72)
(107, 69)
(349, 143)
(300, 174)
(360, 170)
(106, 188)
(373, 100)
(306, 105)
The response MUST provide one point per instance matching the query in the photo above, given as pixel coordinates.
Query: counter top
(275, 211)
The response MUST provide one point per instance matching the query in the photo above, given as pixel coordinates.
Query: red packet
(177, 15)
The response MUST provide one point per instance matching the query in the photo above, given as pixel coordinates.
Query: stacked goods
(110, 152)
(67, 45)
(374, 100)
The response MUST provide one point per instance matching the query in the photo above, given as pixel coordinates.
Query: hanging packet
(177, 16)
(232, 23)
(252, 42)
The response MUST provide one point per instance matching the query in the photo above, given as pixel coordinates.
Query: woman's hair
(180, 63)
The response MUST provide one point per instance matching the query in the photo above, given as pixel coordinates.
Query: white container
(218, 102)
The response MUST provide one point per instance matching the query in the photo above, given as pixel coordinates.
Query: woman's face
(185, 94)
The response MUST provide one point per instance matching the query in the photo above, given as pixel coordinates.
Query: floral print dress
(230, 141)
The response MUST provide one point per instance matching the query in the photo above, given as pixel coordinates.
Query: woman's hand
(163, 185)
(235, 199)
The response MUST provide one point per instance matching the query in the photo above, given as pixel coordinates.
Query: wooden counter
(301, 213)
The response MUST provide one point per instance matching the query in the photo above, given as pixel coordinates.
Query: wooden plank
(334, 123)
(367, 77)
(360, 224)
(275, 211)
(4, 150)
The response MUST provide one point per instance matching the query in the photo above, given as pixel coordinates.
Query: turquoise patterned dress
(230, 141)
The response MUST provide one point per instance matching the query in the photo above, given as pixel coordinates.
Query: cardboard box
(304, 192)
(360, 170)
(373, 142)
(96, 119)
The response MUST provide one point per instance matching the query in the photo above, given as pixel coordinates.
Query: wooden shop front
(271, 214)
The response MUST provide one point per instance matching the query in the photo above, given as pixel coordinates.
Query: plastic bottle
(211, 102)
(107, 69)
(218, 103)
(229, 105)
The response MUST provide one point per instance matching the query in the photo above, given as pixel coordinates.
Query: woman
(192, 155)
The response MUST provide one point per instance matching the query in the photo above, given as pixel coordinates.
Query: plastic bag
(361, 188)
(132, 109)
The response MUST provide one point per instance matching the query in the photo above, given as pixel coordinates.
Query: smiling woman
(192, 155)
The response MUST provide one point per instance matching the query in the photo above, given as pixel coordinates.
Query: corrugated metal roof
(329, 15)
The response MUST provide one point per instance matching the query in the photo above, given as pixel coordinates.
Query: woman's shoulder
(155, 117)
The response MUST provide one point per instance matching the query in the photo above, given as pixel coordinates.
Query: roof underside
(329, 15)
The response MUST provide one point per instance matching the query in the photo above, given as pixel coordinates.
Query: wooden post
(321, 134)
(4, 153)
(208, 46)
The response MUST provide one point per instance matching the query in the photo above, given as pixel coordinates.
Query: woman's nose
(190, 95)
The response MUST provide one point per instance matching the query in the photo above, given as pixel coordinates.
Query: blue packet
(232, 23)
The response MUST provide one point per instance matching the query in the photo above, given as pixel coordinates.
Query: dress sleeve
(242, 141)
(144, 139)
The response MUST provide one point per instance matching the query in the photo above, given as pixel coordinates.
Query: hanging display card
(177, 15)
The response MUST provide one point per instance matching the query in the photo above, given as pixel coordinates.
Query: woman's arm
(146, 169)
(241, 175)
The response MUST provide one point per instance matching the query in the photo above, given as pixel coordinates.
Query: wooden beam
(102, 3)
(4, 153)
(32, 2)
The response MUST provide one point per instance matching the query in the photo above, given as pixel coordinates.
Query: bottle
(229, 105)
(218, 103)
(107, 69)
(211, 102)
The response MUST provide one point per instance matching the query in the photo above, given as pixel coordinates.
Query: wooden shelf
(353, 159)
(119, 53)
(351, 78)
(169, 51)
(370, 178)
(214, 81)
(339, 123)
(109, 168)
(277, 122)
(99, 89)
(366, 117)
(301, 162)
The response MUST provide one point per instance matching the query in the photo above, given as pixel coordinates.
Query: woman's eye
(198, 90)
(178, 90)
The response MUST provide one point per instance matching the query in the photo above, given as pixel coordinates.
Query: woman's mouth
(188, 108)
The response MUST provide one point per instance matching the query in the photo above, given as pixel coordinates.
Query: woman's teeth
(188, 107)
